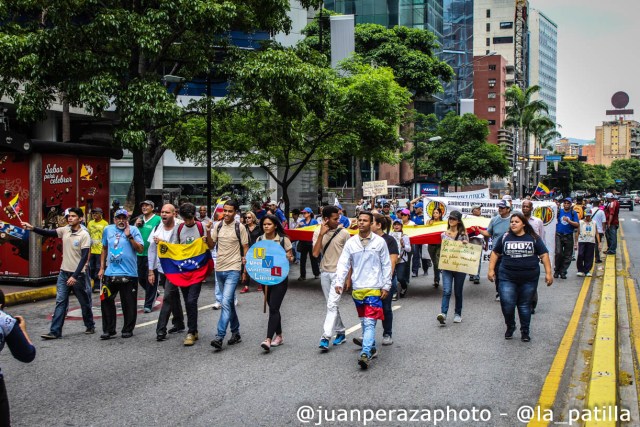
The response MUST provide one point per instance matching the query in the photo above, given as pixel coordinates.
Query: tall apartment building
(543, 58)
(494, 28)
(489, 83)
(616, 140)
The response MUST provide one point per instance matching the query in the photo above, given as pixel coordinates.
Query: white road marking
(358, 326)
(154, 322)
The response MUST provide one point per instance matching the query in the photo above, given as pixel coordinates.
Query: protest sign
(374, 188)
(267, 263)
(460, 257)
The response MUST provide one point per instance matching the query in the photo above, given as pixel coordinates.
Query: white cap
(608, 196)
(506, 197)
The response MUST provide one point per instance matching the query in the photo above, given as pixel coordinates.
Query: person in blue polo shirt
(568, 221)
(343, 219)
(306, 247)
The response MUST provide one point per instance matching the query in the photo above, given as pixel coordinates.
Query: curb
(24, 297)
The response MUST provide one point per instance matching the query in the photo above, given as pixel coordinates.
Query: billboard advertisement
(14, 208)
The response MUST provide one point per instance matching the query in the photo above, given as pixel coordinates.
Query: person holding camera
(21, 347)
(121, 243)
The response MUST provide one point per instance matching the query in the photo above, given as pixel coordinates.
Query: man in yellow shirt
(96, 227)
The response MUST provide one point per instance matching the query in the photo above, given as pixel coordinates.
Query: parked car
(626, 201)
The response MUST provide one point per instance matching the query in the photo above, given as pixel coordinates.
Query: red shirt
(611, 211)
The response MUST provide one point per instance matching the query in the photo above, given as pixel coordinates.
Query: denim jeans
(94, 267)
(434, 254)
(418, 261)
(332, 321)
(612, 238)
(217, 290)
(387, 322)
(368, 335)
(402, 274)
(62, 302)
(455, 280)
(228, 281)
(517, 294)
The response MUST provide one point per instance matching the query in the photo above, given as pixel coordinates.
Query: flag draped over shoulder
(368, 303)
(185, 265)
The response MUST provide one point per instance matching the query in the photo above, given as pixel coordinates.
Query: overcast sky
(598, 55)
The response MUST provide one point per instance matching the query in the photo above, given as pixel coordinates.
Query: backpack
(198, 224)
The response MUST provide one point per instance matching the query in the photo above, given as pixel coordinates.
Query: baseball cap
(588, 210)
(476, 206)
(386, 205)
(418, 205)
(503, 204)
(455, 215)
(121, 212)
(273, 203)
(97, 210)
(567, 199)
(307, 210)
(399, 221)
(609, 196)
(148, 202)
(405, 212)
(506, 197)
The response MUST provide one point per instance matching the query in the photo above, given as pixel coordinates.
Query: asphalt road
(631, 228)
(80, 380)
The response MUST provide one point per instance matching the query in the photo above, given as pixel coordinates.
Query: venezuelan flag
(541, 190)
(185, 265)
(368, 303)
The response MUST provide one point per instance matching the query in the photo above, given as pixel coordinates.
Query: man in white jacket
(367, 258)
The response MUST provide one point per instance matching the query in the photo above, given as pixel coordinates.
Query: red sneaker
(244, 290)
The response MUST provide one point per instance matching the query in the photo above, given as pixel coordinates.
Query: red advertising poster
(93, 184)
(59, 191)
(14, 208)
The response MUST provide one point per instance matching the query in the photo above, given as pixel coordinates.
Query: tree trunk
(285, 197)
(358, 180)
(66, 120)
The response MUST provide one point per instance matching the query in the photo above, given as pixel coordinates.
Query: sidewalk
(16, 294)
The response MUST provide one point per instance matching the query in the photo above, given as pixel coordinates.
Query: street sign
(618, 181)
(553, 157)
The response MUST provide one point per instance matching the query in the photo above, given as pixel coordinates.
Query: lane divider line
(551, 384)
(602, 388)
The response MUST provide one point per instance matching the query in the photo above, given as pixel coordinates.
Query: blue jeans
(402, 274)
(517, 294)
(368, 335)
(455, 280)
(228, 280)
(612, 238)
(217, 291)
(387, 322)
(62, 302)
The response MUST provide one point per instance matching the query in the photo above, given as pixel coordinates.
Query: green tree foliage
(102, 53)
(285, 109)
(462, 154)
(409, 52)
(627, 170)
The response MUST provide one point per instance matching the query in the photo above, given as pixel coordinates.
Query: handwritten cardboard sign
(456, 256)
(374, 188)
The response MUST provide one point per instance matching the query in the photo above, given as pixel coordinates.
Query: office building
(616, 140)
(490, 82)
(543, 58)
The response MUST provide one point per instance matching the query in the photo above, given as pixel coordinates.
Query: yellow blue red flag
(541, 190)
(185, 265)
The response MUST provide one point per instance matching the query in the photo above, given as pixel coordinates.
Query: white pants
(332, 322)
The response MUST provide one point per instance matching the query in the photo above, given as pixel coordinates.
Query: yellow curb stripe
(22, 297)
(634, 312)
(603, 383)
(552, 382)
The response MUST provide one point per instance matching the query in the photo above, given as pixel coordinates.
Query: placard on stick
(456, 256)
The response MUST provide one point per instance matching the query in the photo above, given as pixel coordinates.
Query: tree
(409, 52)
(628, 171)
(102, 54)
(462, 154)
(285, 109)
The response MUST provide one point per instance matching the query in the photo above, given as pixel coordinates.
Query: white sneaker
(580, 274)
(457, 319)
(386, 340)
(588, 274)
(217, 306)
(442, 318)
